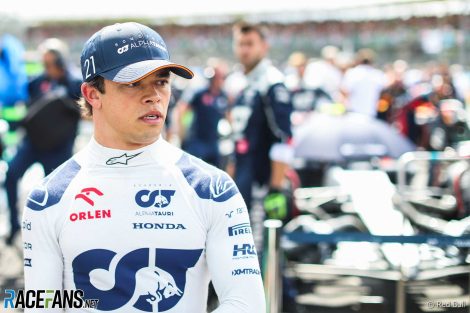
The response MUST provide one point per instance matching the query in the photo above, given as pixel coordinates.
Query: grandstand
(418, 31)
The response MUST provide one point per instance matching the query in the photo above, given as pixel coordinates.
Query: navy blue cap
(126, 53)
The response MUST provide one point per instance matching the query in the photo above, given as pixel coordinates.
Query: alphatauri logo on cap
(123, 49)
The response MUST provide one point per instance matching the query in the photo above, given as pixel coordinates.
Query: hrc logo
(247, 250)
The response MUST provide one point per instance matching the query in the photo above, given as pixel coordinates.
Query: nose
(151, 95)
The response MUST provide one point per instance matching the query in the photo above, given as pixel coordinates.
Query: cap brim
(137, 71)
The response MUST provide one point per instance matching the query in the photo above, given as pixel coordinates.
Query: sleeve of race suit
(232, 258)
(42, 220)
(278, 111)
(43, 264)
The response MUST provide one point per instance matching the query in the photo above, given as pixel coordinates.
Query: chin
(144, 140)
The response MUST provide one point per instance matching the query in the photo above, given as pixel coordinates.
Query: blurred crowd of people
(51, 120)
(337, 82)
(242, 118)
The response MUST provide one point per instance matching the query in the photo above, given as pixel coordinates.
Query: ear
(91, 95)
(265, 47)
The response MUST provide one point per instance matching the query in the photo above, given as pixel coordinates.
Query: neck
(214, 90)
(250, 67)
(121, 145)
(109, 139)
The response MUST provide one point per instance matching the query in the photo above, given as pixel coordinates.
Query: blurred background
(378, 195)
(417, 31)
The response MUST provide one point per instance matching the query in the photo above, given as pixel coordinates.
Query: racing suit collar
(258, 70)
(112, 158)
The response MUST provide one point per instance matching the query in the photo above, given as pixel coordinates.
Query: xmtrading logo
(47, 299)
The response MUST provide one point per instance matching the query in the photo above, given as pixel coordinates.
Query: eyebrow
(163, 74)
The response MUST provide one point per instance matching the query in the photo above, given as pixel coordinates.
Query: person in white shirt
(324, 73)
(362, 85)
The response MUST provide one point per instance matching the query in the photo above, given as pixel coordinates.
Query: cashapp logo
(150, 280)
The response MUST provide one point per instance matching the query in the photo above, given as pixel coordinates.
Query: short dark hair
(365, 56)
(245, 27)
(85, 107)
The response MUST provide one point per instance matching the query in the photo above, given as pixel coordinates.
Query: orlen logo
(87, 192)
(157, 198)
(123, 49)
(244, 251)
(86, 195)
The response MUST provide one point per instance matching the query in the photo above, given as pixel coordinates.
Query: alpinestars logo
(149, 280)
(122, 159)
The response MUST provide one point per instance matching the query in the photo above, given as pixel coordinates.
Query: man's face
(53, 71)
(219, 78)
(133, 115)
(249, 49)
(301, 69)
